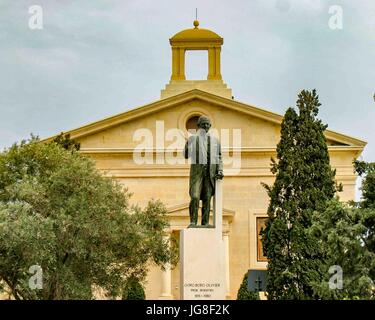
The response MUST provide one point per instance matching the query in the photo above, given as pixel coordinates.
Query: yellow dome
(196, 34)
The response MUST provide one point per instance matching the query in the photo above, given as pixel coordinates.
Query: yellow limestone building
(142, 149)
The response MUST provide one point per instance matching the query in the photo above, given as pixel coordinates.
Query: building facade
(142, 149)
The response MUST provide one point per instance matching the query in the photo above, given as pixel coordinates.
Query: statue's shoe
(192, 225)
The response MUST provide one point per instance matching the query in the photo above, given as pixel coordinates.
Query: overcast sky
(94, 59)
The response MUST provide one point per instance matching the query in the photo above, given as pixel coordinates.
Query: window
(261, 224)
(192, 123)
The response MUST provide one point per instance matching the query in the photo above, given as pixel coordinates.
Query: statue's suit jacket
(214, 160)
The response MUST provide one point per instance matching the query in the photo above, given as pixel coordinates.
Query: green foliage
(342, 233)
(368, 186)
(133, 290)
(367, 208)
(57, 211)
(364, 168)
(304, 183)
(346, 234)
(367, 214)
(243, 292)
(67, 143)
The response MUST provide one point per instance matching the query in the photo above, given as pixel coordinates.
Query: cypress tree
(304, 183)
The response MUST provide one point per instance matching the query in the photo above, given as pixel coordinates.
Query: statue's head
(204, 123)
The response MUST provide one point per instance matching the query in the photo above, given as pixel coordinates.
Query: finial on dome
(196, 22)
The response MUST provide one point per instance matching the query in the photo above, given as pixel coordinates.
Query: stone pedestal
(202, 259)
(202, 267)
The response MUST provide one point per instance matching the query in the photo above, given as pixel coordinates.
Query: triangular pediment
(195, 97)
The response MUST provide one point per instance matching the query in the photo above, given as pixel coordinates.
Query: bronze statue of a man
(206, 166)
